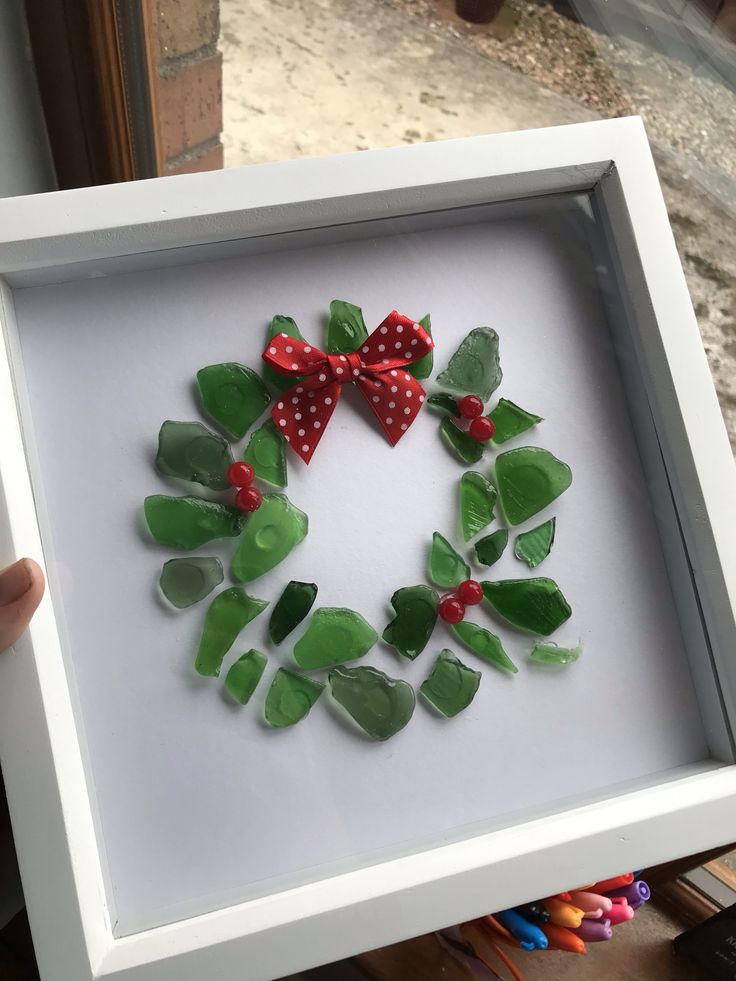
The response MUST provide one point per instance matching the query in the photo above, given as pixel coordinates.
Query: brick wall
(187, 84)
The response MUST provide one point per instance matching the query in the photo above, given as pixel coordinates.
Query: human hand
(21, 589)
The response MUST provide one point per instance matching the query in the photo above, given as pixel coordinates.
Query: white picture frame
(77, 234)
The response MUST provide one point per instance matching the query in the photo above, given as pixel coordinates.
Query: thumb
(21, 589)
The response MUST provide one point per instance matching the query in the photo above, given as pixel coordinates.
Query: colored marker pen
(535, 912)
(594, 931)
(620, 913)
(559, 938)
(563, 914)
(592, 905)
(612, 885)
(635, 894)
(528, 934)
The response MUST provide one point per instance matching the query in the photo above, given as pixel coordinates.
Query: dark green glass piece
(416, 614)
(465, 448)
(380, 705)
(190, 451)
(490, 549)
(528, 479)
(290, 698)
(447, 404)
(450, 686)
(485, 644)
(188, 522)
(474, 368)
(281, 325)
(244, 674)
(446, 568)
(187, 581)
(266, 453)
(233, 395)
(333, 636)
(228, 613)
(293, 605)
(534, 605)
(422, 368)
(346, 329)
(510, 421)
(270, 534)
(552, 654)
(535, 545)
(477, 500)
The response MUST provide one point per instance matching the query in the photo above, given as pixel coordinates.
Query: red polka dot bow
(377, 368)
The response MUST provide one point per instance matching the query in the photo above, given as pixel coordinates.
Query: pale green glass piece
(228, 613)
(444, 403)
(292, 606)
(190, 451)
(528, 479)
(188, 522)
(346, 329)
(270, 534)
(380, 705)
(422, 368)
(485, 644)
(450, 686)
(281, 325)
(416, 610)
(244, 674)
(534, 605)
(187, 581)
(333, 636)
(534, 546)
(446, 568)
(290, 698)
(233, 395)
(477, 501)
(474, 368)
(266, 453)
(489, 550)
(552, 654)
(510, 421)
(464, 447)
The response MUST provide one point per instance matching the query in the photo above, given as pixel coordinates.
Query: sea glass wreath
(387, 366)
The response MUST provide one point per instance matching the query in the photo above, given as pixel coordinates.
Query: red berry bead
(470, 592)
(240, 474)
(248, 499)
(452, 609)
(482, 429)
(470, 407)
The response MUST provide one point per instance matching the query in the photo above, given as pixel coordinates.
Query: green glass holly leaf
(477, 500)
(464, 447)
(534, 605)
(270, 534)
(416, 610)
(447, 569)
(292, 606)
(528, 479)
(189, 450)
(485, 644)
(281, 325)
(422, 368)
(228, 613)
(552, 654)
(446, 404)
(290, 698)
(185, 582)
(346, 329)
(244, 674)
(510, 421)
(233, 395)
(535, 545)
(380, 705)
(333, 636)
(188, 522)
(474, 368)
(489, 550)
(266, 453)
(450, 686)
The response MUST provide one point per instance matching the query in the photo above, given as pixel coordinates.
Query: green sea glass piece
(422, 368)
(477, 500)
(270, 534)
(346, 329)
(187, 581)
(333, 636)
(266, 453)
(528, 479)
(190, 451)
(228, 613)
(281, 325)
(233, 395)
(484, 644)
(552, 654)
(244, 674)
(380, 705)
(534, 546)
(446, 568)
(474, 368)
(446, 404)
(292, 606)
(465, 448)
(450, 686)
(534, 605)
(290, 698)
(490, 549)
(416, 614)
(188, 522)
(510, 421)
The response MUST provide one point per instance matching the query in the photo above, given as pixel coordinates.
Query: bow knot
(345, 367)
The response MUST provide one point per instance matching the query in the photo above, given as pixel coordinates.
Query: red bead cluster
(452, 606)
(241, 475)
(481, 427)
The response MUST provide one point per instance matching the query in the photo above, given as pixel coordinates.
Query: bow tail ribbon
(303, 411)
(395, 398)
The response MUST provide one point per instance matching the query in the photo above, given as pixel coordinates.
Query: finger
(21, 589)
